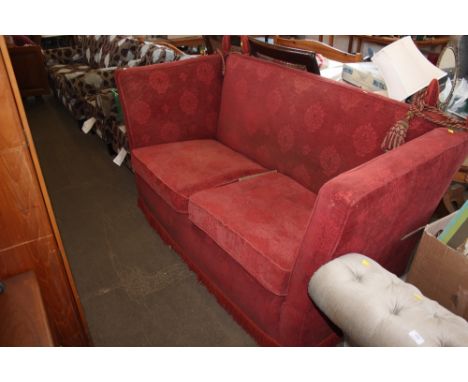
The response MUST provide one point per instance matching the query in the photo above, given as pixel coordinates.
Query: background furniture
(448, 62)
(385, 40)
(422, 42)
(56, 41)
(214, 42)
(88, 67)
(29, 66)
(319, 47)
(29, 237)
(463, 56)
(83, 78)
(462, 174)
(331, 39)
(296, 58)
(188, 44)
(373, 307)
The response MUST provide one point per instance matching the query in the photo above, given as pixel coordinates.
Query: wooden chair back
(214, 42)
(319, 47)
(288, 56)
(296, 58)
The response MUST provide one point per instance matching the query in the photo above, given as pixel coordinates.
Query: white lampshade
(405, 69)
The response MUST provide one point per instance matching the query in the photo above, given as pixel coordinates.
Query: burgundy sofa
(260, 176)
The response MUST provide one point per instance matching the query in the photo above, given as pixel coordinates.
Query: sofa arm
(171, 101)
(63, 56)
(374, 208)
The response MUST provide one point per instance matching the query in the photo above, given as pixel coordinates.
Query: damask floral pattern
(194, 102)
(206, 72)
(305, 126)
(241, 88)
(286, 139)
(188, 102)
(273, 101)
(211, 121)
(142, 111)
(313, 117)
(365, 140)
(330, 160)
(159, 81)
(170, 132)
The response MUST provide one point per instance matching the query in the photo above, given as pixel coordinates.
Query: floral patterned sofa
(82, 77)
(259, 176)
(109, 123)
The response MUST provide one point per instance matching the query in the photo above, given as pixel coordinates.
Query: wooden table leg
(359, 45)
(350, 44)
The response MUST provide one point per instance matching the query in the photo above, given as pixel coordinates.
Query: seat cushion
(68, 71)
(60, 75)
(177, 170)
(259, 221)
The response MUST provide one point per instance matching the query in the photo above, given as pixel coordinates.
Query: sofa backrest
(104, 51)
(307, 127)
(151, 53)
(90, 45)
(116, 51)
(171, 102)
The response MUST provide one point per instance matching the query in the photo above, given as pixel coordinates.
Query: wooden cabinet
(29, 237)
(30, 72)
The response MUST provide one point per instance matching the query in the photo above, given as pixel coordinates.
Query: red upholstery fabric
(171, 102)
(325, 136)
(239, 289)
(432, 93)
(177, 170)
(307, 127)
(260, 222)
(371, 208)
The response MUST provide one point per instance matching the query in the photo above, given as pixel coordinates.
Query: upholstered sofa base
(224, 278)
(260, 336)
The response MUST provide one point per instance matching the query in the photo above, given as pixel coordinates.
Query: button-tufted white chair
(373, 307)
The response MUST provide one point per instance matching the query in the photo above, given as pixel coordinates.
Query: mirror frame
(453, 47)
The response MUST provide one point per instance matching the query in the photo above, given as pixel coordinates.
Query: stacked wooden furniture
(29, 237)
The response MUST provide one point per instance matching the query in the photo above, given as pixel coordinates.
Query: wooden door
(29, 238)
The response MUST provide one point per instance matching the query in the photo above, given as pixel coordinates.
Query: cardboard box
(439, 271)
